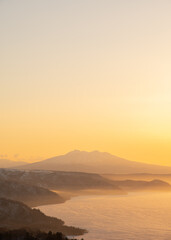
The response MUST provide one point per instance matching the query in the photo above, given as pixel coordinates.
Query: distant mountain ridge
(95, 162)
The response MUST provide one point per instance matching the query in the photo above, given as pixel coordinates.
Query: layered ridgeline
(95, 162)
(59, 180)
(73, 182)
(16, 215)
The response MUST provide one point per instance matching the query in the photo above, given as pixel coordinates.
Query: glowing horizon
(87, 75)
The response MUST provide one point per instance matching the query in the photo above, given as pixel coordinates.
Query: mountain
(15, 215)
(95, 162)
(5, 163)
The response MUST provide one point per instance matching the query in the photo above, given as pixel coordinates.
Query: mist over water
(132, 217)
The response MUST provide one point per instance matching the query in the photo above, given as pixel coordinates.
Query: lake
(133, 217)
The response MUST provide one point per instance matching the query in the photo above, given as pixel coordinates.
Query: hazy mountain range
(94, 162)
(34, 184)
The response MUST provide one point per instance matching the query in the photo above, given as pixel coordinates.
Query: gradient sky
(88, 75)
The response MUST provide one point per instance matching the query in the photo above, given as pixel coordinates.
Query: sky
(87, 75)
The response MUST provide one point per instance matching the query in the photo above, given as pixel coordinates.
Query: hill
(154, 185)
(27, 193)
(95, 162)
(15, 215)
(139, 177)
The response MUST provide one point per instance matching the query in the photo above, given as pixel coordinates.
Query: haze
(88, 75)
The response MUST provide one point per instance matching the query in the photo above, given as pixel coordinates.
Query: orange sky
(88, 75)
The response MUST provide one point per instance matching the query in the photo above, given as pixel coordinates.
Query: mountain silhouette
(94, 162)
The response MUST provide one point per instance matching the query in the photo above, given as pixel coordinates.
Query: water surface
(132, 217)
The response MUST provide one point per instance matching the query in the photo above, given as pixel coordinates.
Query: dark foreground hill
(94, 162)
(16, 215)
